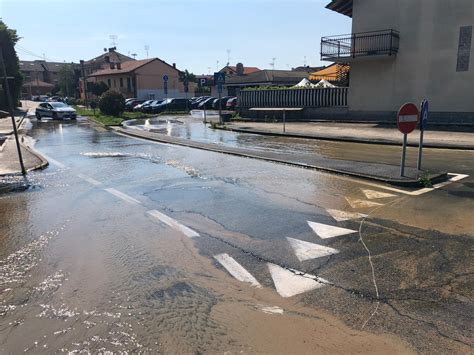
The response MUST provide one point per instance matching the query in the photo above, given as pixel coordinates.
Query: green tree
(112, 103)
(187, 77)
(67, 80)
(8, 39)
(97, 88)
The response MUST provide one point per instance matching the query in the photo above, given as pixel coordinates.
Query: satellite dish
(240, 69)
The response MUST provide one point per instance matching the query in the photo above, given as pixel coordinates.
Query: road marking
(372, 194)
(453, 178)
(325, 231)
(173, 223)
(122, 196)
(89, 180)
(236, 270)
(272, 310)
(289, 284)
(306, 250)
(54, 161)
(342, 216)
(357, 203)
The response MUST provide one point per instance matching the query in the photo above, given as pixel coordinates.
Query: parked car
(207, 103)
(231, 104)
(215, 103)
(171, 105)
(55, 99)
(195, 103)
(139, 106)
(55, 110)
(132, 103)
(149, 108)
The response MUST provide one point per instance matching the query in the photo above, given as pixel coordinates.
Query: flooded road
(125, 245)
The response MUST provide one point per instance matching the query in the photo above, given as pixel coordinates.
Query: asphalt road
(129, 245)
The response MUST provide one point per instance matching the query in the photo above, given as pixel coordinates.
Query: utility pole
(84, 82)
(10, 107)
(147, 47)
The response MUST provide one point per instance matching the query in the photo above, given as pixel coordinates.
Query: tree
(112, 103)
(67, 80)
(186, 77)
(8, 39)
(97, 88)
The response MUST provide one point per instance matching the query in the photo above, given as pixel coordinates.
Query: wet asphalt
(85, 266)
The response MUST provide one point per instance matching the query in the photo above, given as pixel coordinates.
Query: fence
(330, 97)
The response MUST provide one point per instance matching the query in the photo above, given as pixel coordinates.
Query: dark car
(195, 103)
(223, 100)
(149, 107)
(132, 103)
(231, 104)
(171, 105)
(139, 107)
(206, 104)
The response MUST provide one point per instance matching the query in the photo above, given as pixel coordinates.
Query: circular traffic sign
(407, 118)
(165, 77)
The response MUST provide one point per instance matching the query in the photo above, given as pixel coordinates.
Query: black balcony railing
(363, 44)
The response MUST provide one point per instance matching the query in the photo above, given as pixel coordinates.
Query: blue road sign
(219, 78)
(165, 78)
(424, 114)
(203, 82)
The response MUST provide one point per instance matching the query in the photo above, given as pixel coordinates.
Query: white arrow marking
(188, 232)
(327, 231)
(306, 251)
(122, 196)
(89, 180)
(341, 216)
(236, 270)
(362, 203)
(372, 194)
(289, 284)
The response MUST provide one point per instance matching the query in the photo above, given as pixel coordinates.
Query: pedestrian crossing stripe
(357, 203)
(236, 270)
(325, 231)
(306, 250)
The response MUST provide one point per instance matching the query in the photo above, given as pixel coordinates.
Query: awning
(342, 6)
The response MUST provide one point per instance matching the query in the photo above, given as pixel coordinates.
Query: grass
(106, 120)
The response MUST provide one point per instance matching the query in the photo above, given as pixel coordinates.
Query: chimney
(119, 66)
(112, 65)
(174, 65)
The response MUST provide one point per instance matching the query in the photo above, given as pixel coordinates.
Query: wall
(425, 66)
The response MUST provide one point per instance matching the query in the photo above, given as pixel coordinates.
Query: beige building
(407, 50)
(142, 79)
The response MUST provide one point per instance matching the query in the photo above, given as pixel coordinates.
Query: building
(264, 78)
(239, 69)
(103, 61)
(40, 76)
(404, 51)
(142, 79)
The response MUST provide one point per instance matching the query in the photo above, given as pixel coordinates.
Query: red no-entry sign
(407, 118)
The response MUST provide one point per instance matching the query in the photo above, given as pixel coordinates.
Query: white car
(55, 110)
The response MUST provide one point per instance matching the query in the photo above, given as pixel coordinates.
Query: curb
(204, 146)
(344, 139)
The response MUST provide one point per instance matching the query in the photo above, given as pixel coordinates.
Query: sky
(198, 35)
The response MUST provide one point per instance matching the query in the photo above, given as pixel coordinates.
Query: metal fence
(331, 97)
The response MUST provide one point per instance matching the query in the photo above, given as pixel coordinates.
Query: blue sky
(194, 34)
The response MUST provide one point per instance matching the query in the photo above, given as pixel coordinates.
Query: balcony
(347, 48)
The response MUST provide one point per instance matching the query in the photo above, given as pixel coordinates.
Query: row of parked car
(195, 103)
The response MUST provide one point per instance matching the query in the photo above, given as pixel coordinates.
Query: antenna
(209, 70)
(217, 65)
(272, 64)
(134, 55)
(147, 48)
(304, 61)
(113, 38)
(228, 56)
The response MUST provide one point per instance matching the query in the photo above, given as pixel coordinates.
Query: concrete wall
(425, 66)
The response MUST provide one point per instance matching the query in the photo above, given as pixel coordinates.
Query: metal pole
(84, 82)
(284, 121)
(205, 118)
(10, 107)
(220, 105)
(404, 154)
(420, 149)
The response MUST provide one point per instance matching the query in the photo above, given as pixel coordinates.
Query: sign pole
(220, 104)
(284, 121)
(205, 118)
(424, 121)
(404, 154)
(10, 107)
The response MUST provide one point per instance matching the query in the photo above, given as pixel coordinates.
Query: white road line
(357, 203)
(372, 194)
(306, 251)
(453, 178)
(54, 161)
(272, 309)
(173, 223)
(341, 216)
(236, 270)
(289, 284)
(122, 196)
(325, 231)
(89, 179)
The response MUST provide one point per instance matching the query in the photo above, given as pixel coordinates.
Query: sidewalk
(356, 132)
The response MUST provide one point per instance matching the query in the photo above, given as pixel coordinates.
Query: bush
(112, 103)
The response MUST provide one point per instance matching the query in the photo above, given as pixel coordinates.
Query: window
(464, 48)
(129, 85)
(109, 83)
(121, 82)
(115, 83)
